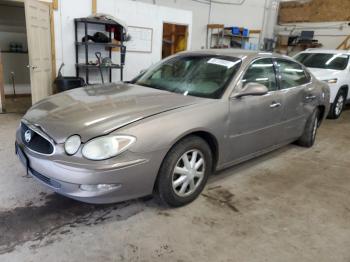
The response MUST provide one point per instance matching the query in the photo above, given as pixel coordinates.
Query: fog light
(99, 187)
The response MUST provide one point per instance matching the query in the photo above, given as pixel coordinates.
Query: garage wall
(330, 34)
(133, 13)
(249, 14)
(328, 20)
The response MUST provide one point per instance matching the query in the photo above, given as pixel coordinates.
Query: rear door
(255, 120)
(296, 92)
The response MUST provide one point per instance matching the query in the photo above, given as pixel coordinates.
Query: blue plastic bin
(245, 32)
(236, 30)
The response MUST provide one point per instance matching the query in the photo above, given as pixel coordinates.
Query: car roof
(326, 51)
(238, 53)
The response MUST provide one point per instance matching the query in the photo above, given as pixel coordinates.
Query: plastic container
(68, 82)
(245, 32)
(236, 30)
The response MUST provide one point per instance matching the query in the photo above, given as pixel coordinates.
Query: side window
(292, 74)
(262, 72)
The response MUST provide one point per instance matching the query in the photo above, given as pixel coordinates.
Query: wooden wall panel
(315, 11)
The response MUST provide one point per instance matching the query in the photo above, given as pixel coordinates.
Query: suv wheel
(184, 172)
(338, 105)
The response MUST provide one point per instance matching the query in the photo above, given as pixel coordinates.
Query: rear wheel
(338, 105)
(309, 136)
(184, 171)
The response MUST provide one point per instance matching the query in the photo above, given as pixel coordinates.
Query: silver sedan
(166, 131)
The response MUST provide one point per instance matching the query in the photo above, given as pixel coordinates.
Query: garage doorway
(174, 39)
(25, 58)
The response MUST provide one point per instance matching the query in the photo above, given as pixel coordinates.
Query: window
(324, 61)
(196, 75)
(292, 74)
(262, 72)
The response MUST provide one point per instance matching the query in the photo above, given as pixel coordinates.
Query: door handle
(32, 67)
(275, 105)
(310, 97)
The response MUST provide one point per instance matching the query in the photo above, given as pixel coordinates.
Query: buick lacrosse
(166, 131)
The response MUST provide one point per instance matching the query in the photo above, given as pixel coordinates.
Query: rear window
(292, 74)
(324, 61)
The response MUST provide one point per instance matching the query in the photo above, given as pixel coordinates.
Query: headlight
(106, 147)
(72, 144)
(332, 81)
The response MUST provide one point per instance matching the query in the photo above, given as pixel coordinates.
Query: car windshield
(195, 75)
(324, 61)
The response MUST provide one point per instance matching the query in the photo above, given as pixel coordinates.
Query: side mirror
(142, 71)
(253, 89)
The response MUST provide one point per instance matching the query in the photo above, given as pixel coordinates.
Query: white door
(39, 48)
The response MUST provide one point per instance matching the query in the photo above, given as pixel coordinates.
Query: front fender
(161, 132)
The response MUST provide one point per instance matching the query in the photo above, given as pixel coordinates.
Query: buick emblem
(28, 136)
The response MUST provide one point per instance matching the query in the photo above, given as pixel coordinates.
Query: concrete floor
(290, 205)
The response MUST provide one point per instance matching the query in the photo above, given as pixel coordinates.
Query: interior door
(255, 121)
(174, 39)
(39, 48)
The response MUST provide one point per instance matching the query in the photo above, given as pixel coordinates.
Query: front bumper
(132, 175)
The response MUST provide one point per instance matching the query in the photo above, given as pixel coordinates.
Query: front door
(295, 87)
(39, 48)
(255, 120)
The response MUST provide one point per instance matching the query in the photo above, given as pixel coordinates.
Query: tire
(310, 131)
(338, 105)
(173, 194)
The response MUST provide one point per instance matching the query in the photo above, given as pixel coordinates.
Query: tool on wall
(13, 83)
(99, 63)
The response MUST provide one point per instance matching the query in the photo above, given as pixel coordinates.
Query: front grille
(36, 142)
(46, 180)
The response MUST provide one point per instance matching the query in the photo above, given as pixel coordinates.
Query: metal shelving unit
(86, 66)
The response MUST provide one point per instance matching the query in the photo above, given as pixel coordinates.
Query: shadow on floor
(43, 225)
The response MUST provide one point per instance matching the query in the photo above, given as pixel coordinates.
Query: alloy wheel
(339, 105)
(188, 173)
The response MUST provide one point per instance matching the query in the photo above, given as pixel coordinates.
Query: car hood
(97, 110)
(324, 74)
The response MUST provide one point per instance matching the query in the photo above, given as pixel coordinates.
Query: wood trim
(55, 4)
(53, 44)
(345, 45)
(254, 31)
(94, 7)
(215, 26)
(2, 91)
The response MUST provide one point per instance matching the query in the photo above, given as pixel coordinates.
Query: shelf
(81, 65)
(13, 52)
(83, 68)
(111, 45)
(95, 21)
(232, 36)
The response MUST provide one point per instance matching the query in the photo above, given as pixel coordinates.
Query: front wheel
(184, 171)
(338, 105)
(309, 136)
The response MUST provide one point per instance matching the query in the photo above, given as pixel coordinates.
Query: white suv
(333, 67)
